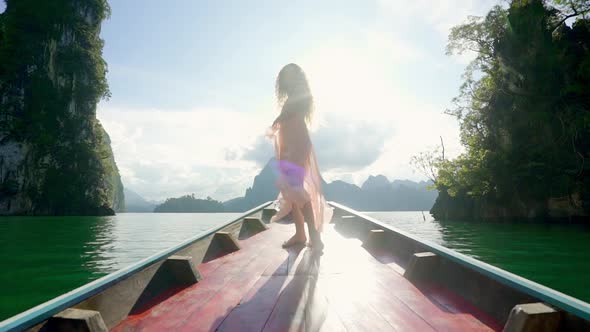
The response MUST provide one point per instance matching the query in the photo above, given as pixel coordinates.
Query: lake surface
(42, 257)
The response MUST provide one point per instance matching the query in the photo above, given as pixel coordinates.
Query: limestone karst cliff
(55, 157)
(376, 194)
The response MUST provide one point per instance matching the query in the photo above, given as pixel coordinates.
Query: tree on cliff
(524, 112)
(55, 157)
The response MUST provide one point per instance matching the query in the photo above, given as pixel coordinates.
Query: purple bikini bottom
(291, 173)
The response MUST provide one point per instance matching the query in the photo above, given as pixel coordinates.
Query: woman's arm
(277, 120)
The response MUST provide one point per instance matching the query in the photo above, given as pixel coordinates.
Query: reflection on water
(95, 256)
(554, 255)
(43, 257)
(422, 225)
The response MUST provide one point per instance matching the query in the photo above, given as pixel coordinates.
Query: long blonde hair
(292, 87)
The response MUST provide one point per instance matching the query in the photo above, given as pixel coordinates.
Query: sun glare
(347, 83)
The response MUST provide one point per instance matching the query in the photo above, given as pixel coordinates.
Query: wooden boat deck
(263, 287)
(371, 277)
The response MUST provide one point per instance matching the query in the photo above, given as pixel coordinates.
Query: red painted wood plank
(302, 262)
(209, 316)
(247, 245)
(207, 268)
(255, 308)
(396, 313)
(319, 314)
(456, 304)
(288, 315)
(265, 287)
(261, 300)
(351, 298)
(282, 268)
(331, 323)
(346, 255)
(434, 314)
(356, 264)
(407, 293)
(302, 305)
(388, 258)
(174, 311)
(394, 285)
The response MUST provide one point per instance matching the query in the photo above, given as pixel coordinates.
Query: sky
(192, 86)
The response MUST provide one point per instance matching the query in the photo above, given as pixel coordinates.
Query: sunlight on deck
(263, 287)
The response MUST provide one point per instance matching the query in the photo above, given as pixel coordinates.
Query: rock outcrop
(376, 193)
(55, 157)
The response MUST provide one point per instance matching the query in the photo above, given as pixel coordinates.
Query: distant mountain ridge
(377, 193)
(263, 190)
(135, 203)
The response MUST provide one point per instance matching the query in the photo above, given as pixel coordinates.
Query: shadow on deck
(263, 287)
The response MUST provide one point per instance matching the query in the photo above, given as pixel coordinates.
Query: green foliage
(189, 203)
(524, 104)
(52, 75)
(427, 163)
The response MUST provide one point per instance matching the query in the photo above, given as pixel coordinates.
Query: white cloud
(355, 86)
(170, 153)
(440, 15)
(367, 122)
(436, 17)
(343, 145)
(340, 145)
(393, 48)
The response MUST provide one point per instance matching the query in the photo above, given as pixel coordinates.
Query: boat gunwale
(46, 310)
(529, 287)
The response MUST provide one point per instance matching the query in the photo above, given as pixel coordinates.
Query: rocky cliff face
(464, 207)
(263, 190)
(135, 203)
(55, 157)
(376, 193)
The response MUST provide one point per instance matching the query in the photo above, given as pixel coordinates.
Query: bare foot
(317, 246)
(294, 240)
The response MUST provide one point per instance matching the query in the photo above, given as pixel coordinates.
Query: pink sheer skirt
(299, 185)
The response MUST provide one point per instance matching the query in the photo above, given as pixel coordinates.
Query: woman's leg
(299, 236)
(284, 210)
(315, 237)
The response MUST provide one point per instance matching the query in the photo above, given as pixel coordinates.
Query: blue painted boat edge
(549, 295)
(44, 311)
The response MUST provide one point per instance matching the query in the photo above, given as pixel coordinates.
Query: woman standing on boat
(299, 179)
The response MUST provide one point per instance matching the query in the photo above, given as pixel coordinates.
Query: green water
(555, 255)
(42, 257)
